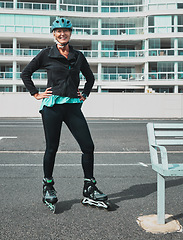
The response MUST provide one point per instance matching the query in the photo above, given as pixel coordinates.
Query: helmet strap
(61, 45)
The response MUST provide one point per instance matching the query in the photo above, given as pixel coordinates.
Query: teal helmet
(61, 23)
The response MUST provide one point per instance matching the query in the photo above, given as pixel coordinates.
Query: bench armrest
(164, 155)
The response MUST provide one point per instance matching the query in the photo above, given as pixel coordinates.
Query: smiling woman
(61, 102)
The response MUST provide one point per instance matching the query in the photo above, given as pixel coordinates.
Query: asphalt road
(122, 170)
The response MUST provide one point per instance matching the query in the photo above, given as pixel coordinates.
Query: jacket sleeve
(27, 72)
(88, 74)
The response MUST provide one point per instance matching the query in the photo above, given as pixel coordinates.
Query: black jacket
(62, 73)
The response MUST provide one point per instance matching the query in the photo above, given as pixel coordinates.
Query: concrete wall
(113, 105)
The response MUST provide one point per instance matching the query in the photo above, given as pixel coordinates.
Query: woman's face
(62, 35)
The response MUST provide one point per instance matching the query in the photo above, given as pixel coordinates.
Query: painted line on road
(78, 152)
(68, 165)
(2, 137)
(72, 152)
(143, 164)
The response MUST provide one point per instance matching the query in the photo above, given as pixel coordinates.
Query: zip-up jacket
(62, 73)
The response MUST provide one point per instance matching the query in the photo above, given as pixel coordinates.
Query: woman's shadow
(133, 192)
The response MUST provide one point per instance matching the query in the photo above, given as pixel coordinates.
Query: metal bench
(159, 136)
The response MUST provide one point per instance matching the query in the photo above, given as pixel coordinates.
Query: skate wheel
(51, 206)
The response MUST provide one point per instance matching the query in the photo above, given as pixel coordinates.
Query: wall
(113, 105)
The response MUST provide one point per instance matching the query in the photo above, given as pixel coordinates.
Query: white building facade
(131, 45)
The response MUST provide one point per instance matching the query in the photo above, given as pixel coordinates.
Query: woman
(61, 102)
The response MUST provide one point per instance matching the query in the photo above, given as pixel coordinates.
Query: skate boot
(93, 196)
(49, 194)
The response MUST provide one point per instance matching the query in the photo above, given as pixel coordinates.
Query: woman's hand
(82, 98)
(45, 94)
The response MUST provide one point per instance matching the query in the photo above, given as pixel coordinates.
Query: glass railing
(161, 52)
(109, 77)
(87, 53)
(6, 75)
(175, 4)
(122, 54)
(35, 76)
(6, 4)
(127, 77)
(76, 30)
(6, 51)
(24, 29)
(36, 6)
(163, 76)
(71, 7)
(85, 31)
(28, 52)
(124, 8)
(165, 29)
(90, 53)
(122, 31)
(78, 8)
(180, 76)
(103, 53)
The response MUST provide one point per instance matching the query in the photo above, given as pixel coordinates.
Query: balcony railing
(36, 6)
(92, 30)
(122, 77)
(162, 52)
(78, 8)
(165, 29)
(24, 29)
(103, 53)
(107, 77)
(6, 75)
(38, 76)
(164, 5)
(6, 51)
(162, 76)
(42, 76)
(87, 53)
(122, 54)
(124, 8)
(28, 52)
(122, 31)
(71, 7)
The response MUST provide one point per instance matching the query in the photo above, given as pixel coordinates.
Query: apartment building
(131, 45)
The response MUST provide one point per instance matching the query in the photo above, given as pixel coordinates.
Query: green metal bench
(159, 136)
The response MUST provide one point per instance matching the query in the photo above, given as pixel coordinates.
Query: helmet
(61, 23)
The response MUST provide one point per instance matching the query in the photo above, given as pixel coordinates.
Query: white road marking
(71, 152)
(6, 137)
(143, 164)
(65, 164)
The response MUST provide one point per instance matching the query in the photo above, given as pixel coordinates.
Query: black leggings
(73, 117)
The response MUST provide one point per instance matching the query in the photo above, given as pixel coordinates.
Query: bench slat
(168, 126)
(168, 133)
(169, 141)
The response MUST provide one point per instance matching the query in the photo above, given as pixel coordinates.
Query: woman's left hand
(81, 96)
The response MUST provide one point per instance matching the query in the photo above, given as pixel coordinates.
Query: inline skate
(49, 194)
(93, 196)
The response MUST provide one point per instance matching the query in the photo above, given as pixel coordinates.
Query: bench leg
(160, 199)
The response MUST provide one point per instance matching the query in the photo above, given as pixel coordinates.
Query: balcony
(175, 4)
(87, 53)
(87, 8)
(122, 77)
(161, 76)
(122, 9)
(163, 52)
(24, 29)
(122, 54)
